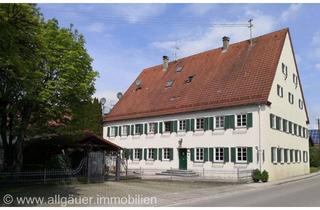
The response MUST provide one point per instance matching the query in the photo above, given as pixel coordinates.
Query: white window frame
(198, 128)
(282, 155)
(164, 126)
(291, 98)
(200, 157)
(274, 155)
(123, 129)
(135, 153)
(165, 151)
(219, 120)
(135, 127)
(279, 90)
(243, 124)
(154, 128)
(242, 150)
(150, 154)
(113, 131)
(182, 123)
(217, 154)
(274, 121)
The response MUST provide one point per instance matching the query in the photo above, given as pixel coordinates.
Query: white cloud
(199, 9)
(316, 44)
(138, 12)
(317, 66)
(210, 37)
(96, 27)
(290, 12)
(109, 95)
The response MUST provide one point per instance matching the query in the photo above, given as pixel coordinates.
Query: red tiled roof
(242, 75)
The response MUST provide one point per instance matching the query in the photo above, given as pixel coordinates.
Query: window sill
(167, 160)
(198, 132)
(123, 137)
(240, 131)
(218, 132)
(166, 134)
(181, 133)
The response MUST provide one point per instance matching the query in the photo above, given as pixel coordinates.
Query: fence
(216, 175)
(44, 176)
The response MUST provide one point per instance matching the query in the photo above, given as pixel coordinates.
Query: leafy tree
(45, 70)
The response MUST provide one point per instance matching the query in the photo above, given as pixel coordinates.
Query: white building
(238, 106)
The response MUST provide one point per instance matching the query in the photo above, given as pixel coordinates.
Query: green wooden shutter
(233, 154)
(285, 155)
(278, 155)
(232, 124)
(140, 154)
(206, 123)
(160, 154)
(226, 122)
(249, 120)
(188, 125)
(271, 120)
(156, 127)
(171, 126)
(146, 128)
(155, 154)
(192, 124)
(132, 130)
(160, 127)
(290, 127)
(249, 154)
(116, 131)
(131, 154)
(192, 154)
(211, 154)
(128, 131)
(210, 123)
(291, 155)
(205, 154)
(119, 130)
(175, 126)
(284, 125)
(108, 131)
(296, 155)
(226, 154)
(145, 154)
(171, 153)
(278, 123)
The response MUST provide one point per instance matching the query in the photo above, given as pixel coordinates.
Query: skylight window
(190, 78)
(179, 68)
(169, 83)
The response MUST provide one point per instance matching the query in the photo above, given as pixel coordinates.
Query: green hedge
(314, 157)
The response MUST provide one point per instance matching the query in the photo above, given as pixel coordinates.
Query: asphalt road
(304, 192)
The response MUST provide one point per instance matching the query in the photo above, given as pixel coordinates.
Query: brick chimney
(165, 63)
(225, 42)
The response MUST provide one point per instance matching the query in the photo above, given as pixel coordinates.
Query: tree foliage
(45, 71)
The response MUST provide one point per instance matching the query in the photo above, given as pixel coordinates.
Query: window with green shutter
(131, 154)
(232, 123)
(285, 155)
(229, 122)
(155, 155)
(249, 120)
(290, 127)
(119, 130)
(132, 130)
(160, 127)
(278, 155)
(146, 128)
(188, 125)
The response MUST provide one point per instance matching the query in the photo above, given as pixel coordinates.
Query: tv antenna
(250, 27)
(176, 48)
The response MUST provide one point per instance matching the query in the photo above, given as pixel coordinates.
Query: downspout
(259, 150)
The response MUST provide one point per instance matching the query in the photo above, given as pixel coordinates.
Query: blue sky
(123, 39)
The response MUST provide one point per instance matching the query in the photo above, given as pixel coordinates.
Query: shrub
(314, 157)
(256, 175)
(264, 176)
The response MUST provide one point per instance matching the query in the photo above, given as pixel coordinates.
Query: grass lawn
(314, 169)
